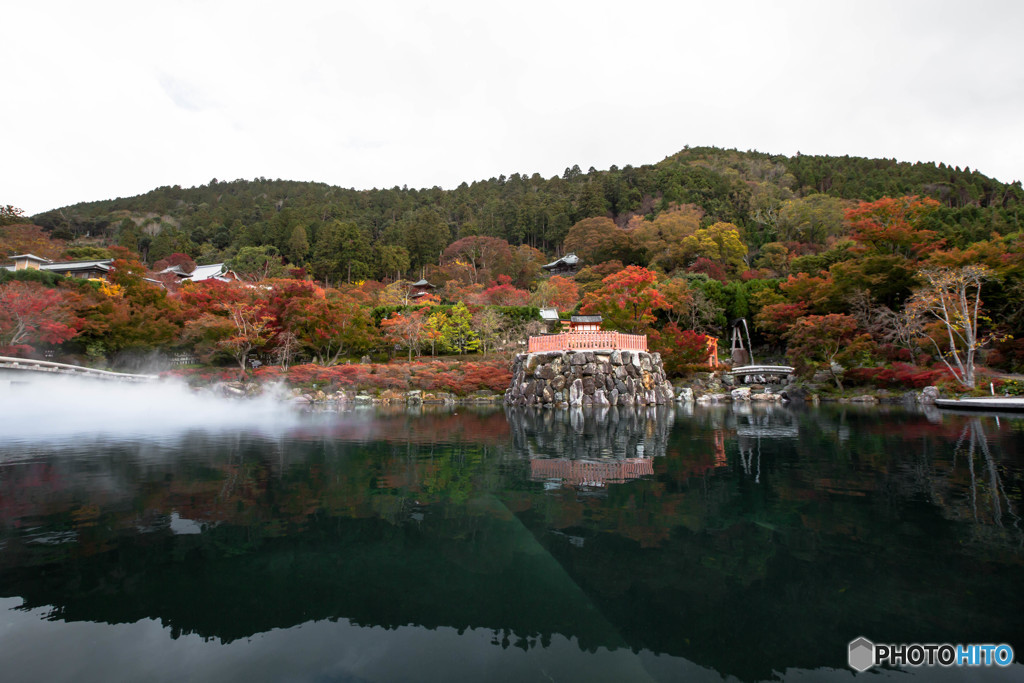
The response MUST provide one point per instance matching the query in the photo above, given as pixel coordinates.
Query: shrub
(897, 376)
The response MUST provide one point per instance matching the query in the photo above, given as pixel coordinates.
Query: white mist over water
(49, 409)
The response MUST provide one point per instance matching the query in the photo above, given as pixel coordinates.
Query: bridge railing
(760, 373)
(46, 366)
(569, 341)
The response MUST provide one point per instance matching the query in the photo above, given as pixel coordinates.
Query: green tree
(719, 242)
(298, 244)
(424, 235)
(390, 261)
(811, 219)
(458, 332)
(258, 263)
(342, 252)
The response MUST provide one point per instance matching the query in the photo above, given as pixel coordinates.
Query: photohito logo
(862, 654)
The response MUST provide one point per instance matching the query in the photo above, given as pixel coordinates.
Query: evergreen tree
(457, 332)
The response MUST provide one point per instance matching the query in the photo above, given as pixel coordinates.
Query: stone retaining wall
(565, 379)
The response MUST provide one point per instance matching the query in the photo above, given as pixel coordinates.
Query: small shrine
(420, 289)
(585, 323)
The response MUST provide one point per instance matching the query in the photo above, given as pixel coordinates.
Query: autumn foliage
(30, 315)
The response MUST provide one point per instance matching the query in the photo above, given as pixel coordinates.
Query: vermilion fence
(588, 340)
(589, 472)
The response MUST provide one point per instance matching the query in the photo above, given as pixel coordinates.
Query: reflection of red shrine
(590, 472)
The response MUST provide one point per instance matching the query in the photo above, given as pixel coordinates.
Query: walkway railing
(49, 367)
(759, 373)
(569, 341)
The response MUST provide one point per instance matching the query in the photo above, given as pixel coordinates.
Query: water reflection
(590, 448)
(729, 540)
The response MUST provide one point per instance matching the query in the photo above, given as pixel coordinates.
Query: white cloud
(113, 99)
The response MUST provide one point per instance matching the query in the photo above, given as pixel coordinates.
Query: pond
(454, 544)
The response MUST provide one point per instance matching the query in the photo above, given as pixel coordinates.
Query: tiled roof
(63, 266)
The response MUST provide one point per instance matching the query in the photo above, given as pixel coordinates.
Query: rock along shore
(562, 379)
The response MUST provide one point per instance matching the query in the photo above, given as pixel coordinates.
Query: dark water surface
(660, 545)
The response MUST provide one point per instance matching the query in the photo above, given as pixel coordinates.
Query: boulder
(928, 395)
(576, 393)
(795, 392)
(741, 394)
(765, 396)
(533, 360)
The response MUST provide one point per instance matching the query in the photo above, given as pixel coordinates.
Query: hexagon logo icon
(861, 654)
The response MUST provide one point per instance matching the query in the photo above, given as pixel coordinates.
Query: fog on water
(64, 408)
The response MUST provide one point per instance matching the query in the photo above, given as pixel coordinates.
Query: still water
(745, 543)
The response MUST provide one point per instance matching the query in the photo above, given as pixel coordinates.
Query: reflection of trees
(988, 483)
(614, 432)
(590, 447)
(794, 529)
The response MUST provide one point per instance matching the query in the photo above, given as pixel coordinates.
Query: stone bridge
(760, 374)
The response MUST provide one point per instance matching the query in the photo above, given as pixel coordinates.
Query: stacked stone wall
(563, 379)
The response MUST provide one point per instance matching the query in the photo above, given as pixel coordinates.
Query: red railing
(591, 473)
(570, 341)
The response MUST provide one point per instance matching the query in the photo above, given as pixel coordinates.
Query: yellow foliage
(110, 289)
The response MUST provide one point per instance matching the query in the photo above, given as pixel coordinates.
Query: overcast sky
(107, 99)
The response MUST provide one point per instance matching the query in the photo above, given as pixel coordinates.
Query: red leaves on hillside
(31, 314)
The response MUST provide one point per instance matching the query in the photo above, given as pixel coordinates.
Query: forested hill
(770, 198)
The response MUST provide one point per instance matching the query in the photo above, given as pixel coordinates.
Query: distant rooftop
(570, 260)
(216, 271)
(29, 257)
